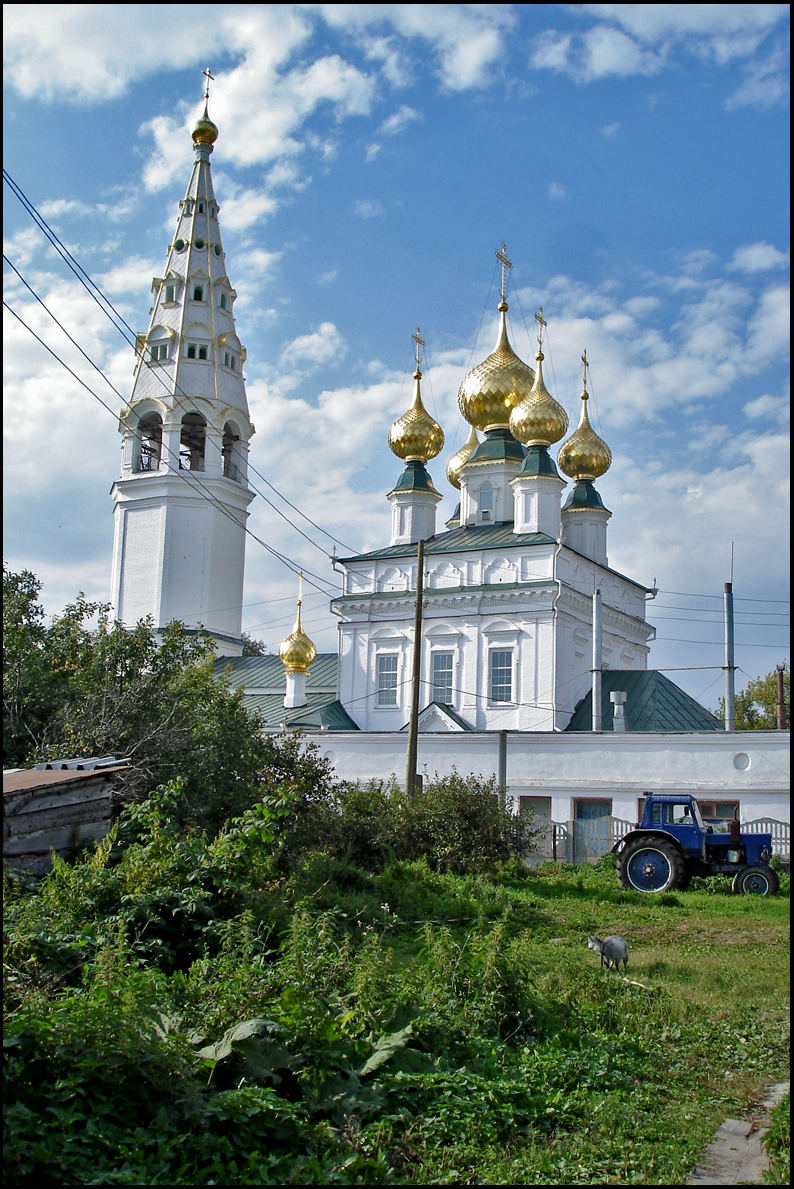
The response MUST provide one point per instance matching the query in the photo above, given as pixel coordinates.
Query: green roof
(653, 703)
(583, 495)
(414, 478)
(539, 462)
(319, 711)
(267, 672)
(460, 540)
(498, 445)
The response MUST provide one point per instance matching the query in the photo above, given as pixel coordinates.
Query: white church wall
(566, 767)
(138, 551)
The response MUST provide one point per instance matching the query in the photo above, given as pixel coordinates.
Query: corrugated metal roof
(27, 780)
(319, 711)
(653, 703)
(267, 672)
(458, 540)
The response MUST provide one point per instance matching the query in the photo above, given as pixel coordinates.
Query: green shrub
(777, 1143)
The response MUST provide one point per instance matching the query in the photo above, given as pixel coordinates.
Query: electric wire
(115, 318)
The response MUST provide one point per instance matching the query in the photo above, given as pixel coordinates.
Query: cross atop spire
(300, 588)
(502, 256)
(420, 342)
(541, 321)
(210, 78)
(585, 366)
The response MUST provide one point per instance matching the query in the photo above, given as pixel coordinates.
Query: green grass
(414, 1026)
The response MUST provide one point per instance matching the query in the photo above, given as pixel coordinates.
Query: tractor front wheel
(650, 866)
(756, 881)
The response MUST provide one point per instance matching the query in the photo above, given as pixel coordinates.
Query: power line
(115, 318)
(193, 481)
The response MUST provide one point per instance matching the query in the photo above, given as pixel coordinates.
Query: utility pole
(730, 668)
(413, 723)
(781, 699)
(596, 670)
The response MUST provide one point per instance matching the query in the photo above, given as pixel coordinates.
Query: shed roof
(653, 703)
(26, 780)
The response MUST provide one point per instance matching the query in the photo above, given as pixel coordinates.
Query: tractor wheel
(756, 881)
(646, 865)
(685, 880)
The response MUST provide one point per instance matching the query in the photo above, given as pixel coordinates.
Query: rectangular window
(230, 361)
(202, 352)
(223, 301)
(169, 293)
(719, 811)
(442, 678)
(158, 351)
(501, 675)
(198, 292)
(201, 208)
(387, 680)
(586, 809)
(191, 350)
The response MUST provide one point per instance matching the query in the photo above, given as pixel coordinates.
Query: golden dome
(459, 460)
(539, 420)
(205, 131)
(416, 436)
(496, 385)
(584, 455)
(297, 652)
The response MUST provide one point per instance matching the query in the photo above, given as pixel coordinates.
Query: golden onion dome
(205, 131)
(459, 460)
(416, 436)
(584, 455)
(297, 652)
(539, 420)
(493, 388)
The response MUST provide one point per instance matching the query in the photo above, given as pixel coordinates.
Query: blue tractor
(671, 844)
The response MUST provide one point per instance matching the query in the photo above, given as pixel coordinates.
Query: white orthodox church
(534, 651)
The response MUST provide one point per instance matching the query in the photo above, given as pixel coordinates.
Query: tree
(252, 647)
(756, 705)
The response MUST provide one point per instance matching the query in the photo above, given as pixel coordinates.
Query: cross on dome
(502, 256)
(210, 78)
(420, 342)
(541, 321)
(585, 366)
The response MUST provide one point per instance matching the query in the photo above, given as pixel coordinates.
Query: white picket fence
(586, 841)
(780, 831)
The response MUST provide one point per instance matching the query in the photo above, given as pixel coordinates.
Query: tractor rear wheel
(756, 881)
(686, 879)
(648, 865)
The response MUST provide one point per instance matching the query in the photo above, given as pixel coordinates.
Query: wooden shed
(55, 808)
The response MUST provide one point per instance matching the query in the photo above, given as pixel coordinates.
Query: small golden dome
(416, 436)
(584, 455)
(459, 460)
(539, 420)
(497, 385)
(297, 652)
(205, 131)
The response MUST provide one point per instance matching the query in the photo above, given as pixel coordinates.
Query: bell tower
(181, 500)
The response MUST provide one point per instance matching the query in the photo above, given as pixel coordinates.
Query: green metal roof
(448, 711)
(498, 445)
(414, 478)
(486, 588)
(539, 462)
(263, 672)
(319, 711)
(653, 703)
(583, 495)
(461, 540)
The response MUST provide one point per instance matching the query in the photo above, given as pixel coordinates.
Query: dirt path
(735, 1155)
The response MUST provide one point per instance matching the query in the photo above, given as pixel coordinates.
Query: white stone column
(296, 688)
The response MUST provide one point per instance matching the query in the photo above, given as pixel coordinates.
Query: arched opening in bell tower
(150, 443)
(192, 442)
(232, 455)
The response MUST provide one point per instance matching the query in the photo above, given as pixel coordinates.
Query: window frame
(493, 651)
(158, 352)
(198, 289)
(445, 655)
(381, 690)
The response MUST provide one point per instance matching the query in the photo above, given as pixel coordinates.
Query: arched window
(486, 501)
(231, 452)
(198, 292)
(150, 442)
(158, 343)
(192, 442)
(223, 301)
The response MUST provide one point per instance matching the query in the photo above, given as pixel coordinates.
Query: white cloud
(324, 345)
(327, 277)
(557, 190)
(371, 153)
(766, 84)
(399, 120)
(610, 131)
(131, 276)
(770, 326)
(368, 208)
(600, 52)
(758, 257)
(772, 408)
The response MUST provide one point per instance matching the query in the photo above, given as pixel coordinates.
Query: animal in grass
(613, 950)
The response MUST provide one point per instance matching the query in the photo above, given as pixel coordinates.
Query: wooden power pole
(413, 723)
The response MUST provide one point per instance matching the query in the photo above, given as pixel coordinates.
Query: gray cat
(613, 950)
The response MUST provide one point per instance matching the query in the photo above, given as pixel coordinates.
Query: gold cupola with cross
(492, 390)
(415, 437)
(585, 455)
(539, 420)
(297, 652)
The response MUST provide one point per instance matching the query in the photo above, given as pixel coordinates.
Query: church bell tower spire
(181, 500)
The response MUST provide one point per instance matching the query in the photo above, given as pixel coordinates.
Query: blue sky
(370, 160)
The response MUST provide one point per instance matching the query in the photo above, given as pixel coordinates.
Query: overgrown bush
(777, 1142)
